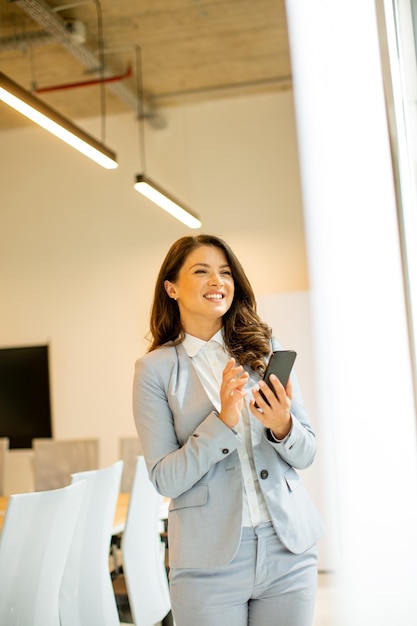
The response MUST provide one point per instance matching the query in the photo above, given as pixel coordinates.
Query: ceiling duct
(25, 41)
(57, 28)
(22, 41)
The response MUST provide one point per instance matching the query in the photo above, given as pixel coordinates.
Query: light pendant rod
(34, 109)
(157, 195)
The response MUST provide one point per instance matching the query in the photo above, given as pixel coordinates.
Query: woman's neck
(203, 332)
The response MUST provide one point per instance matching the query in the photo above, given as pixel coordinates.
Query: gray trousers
(264, 585)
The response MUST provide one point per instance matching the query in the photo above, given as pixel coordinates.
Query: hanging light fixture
(147, 187)
(34, 109)
(160, 197)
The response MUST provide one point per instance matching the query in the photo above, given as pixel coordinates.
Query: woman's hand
(275, 413)
(232, 393)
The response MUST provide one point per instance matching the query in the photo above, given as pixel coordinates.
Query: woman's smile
(215, 296)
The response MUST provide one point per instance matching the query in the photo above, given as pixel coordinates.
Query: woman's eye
(201, 271)
(227, 272)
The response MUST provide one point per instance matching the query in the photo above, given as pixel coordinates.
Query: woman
(242, 529)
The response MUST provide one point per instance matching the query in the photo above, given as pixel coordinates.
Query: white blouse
(210, 359)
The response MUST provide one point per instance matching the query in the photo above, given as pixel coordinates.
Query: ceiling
(182, 49)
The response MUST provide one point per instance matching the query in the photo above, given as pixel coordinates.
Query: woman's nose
(215, 279)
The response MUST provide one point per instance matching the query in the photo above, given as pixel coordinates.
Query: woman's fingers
(232, 392)
(234, 375)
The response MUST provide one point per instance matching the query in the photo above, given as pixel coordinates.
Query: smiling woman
(225, 454)
(203, 291)
(242, 324)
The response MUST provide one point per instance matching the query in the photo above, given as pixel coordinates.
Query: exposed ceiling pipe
(86, 83)
(41, 13)
(24, 41)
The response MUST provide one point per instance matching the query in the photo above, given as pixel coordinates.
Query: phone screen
(280, 364)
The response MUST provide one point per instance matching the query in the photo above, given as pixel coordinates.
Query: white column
(360, 332)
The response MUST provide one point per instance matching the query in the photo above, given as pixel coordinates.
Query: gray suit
(192, 457)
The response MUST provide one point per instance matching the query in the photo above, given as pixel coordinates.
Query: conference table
(119, 517)
(3, 506)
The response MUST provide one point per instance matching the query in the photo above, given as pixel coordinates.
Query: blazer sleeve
(298, 449)
(175, 467)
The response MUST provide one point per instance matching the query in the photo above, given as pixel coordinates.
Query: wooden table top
(119, 518)
(121, 513)
(3, 506)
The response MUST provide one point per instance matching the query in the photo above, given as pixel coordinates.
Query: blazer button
(225, 450)
(264, 474)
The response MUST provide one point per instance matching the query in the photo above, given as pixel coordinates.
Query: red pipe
(87, 83)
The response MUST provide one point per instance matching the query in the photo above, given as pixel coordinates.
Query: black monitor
(25, 407)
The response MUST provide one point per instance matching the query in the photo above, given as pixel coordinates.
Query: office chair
(86, 595)
(130, 448)
(34, 544)
(56, 460)
(142, 553)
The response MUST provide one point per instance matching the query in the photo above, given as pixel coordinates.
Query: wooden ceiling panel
(189, 48)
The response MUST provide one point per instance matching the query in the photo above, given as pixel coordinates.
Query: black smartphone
(280, 364)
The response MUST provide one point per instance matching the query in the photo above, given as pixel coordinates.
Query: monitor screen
(25, 407)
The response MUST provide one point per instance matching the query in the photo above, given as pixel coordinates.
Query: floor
(326, 603)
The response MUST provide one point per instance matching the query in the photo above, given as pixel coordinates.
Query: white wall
(80, 249)
(290, 316)
(360, 333)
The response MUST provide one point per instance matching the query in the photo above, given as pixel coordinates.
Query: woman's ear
(170, 289)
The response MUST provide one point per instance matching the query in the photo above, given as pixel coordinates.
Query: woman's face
(204, 291)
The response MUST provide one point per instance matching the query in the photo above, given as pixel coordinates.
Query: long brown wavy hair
(246, 336)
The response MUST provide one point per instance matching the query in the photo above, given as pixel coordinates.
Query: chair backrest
(54, 461)
(86, 596)
(34, 545)
(4, 447)
(130, 449)
(143, 565)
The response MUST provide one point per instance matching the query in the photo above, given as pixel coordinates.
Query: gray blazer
(192, 458)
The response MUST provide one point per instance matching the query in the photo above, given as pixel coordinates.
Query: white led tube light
(154, 193)
(34, 109)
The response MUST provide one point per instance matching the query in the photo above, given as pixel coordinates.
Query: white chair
(86, 596)
(143, 563)
(34, 543)
(56, 460)
(4, 447)
(130, 449)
